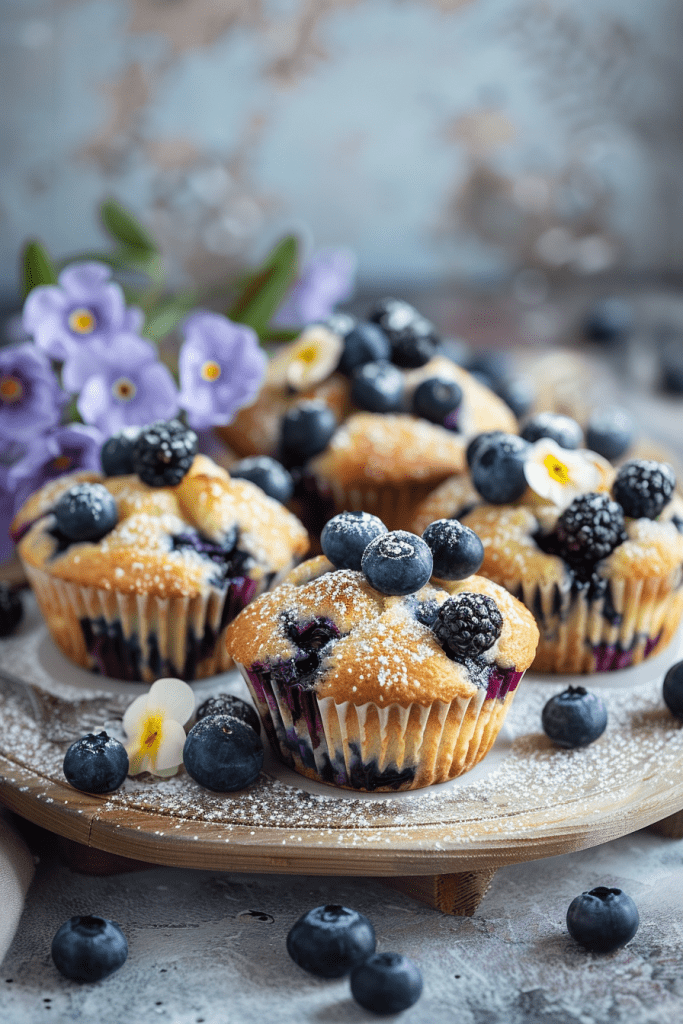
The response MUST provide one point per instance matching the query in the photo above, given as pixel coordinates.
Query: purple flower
(130, 388)
(221, 369)
(31, 400)
(327, 279)
(63, 450)
(86, 309)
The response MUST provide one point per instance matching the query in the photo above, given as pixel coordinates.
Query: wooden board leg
(672, 827)
(458, 894)
(86, 860)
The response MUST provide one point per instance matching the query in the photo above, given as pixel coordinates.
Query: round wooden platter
(527, 799)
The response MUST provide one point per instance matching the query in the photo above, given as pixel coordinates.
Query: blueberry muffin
(378, 678)
(139, 572)
(377, 388)
(596, 553)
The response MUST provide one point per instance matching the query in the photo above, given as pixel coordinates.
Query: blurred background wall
(441, 139)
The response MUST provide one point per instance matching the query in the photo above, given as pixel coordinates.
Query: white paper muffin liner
(374, 748)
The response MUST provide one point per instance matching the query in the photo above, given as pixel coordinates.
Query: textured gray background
(206, 947)
(439, 138)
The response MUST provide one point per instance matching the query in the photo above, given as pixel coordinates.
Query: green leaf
(262, 291)
(37, 267)
(167, 314)
(125, 228)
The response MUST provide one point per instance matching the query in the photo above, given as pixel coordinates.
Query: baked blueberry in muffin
(382, 689)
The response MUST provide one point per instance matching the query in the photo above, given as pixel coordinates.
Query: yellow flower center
(210, 371)
(124, 389)
(308, 354)
(81, 321)
(62, 463)
(557, 470)
(11, 389)
(150, 740)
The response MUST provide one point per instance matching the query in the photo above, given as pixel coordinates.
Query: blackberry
(11, 609)
(468, 624)
(643, 487)
(589, 530)
(164, 452)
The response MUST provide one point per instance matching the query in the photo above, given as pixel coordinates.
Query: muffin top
(370, 646)
(573, 515)
(167, 541)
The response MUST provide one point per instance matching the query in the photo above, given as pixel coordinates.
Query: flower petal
(170, 750)
(173, 697)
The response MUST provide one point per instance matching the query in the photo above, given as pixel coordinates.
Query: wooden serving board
(526, 800)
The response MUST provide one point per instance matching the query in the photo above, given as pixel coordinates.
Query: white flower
(559, 475)
(154, 722)
(310, 359)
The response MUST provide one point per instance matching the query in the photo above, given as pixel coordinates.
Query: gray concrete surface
(207, 948)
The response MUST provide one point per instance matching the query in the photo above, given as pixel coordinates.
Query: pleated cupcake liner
(372, 748)
(634, 620)
(142, 637)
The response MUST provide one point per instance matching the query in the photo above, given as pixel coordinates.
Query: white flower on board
(154, 724)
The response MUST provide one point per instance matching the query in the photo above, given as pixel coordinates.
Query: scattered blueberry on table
(397, 563)
(268, 474)
(223, 753)
(228, 704)
(89, 948)
(164, 452)
(673, 690)
(345, 537)
(457, 551)
(574, 718)
(603, 919)
(331, 940)
(386, 983)
(96, 763)
(86, 512)
(11, 609)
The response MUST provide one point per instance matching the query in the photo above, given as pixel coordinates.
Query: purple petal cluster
(86, 309)
(130, 387)
(31, 400)
(221, 369)
(327, 280)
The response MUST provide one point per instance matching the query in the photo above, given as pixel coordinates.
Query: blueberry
(456, 550)
(493, 368)
(11, 609)
(603, 919)
(438, 401)
(414, 340)
(643, 487)
(268, 474)
(479, 441)
(365, 343)
(397, 563)
(228, 704)
(671, 363)
(223, 753)
(117, 453)
(609, 320)
(561, 429)
(386, 983)
(498, 468)
(346, 536)
(673, 690)
(86, 512)
(378, 387)
(574, 718)
(331, 940)
(610, 432)
(305, 431)
(89, 948)
(164, 452)
(518, 393)
(96, 764)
